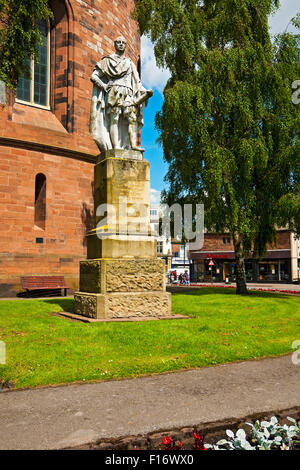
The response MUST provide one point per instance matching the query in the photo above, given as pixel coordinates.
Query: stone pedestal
(119, 246)
(118, 288)
(122, 276)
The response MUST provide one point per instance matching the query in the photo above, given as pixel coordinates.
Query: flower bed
(257, 432)
(263, 435)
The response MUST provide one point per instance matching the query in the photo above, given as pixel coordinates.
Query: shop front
(221, 267)
(273, 271)
(212, 267)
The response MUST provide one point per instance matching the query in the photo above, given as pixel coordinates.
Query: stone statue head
(120, 44)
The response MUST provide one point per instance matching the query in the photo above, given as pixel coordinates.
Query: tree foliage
(228, 126)
(19, 36)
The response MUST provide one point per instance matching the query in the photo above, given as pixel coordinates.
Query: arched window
(36, 91)
(51, 86)
(40, 201)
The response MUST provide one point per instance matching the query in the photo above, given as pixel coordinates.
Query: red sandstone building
(47, 154)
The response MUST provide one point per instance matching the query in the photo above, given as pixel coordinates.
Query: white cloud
(154, 196)
(152, 76)
(279, 22)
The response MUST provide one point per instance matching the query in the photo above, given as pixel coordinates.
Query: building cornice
(46, 148)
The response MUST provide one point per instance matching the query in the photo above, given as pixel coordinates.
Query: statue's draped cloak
(120, 75)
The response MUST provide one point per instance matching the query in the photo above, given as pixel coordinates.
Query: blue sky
(155, 78)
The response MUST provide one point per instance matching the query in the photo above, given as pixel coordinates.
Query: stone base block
(103, 276)
(122, 305)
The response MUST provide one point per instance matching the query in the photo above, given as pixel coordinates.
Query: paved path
(73, 415)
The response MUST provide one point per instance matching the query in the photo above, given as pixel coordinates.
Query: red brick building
(47, 155)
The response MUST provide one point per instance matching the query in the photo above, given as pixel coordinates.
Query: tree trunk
(241, 286)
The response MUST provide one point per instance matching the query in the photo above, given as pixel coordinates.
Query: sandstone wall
(57, 143)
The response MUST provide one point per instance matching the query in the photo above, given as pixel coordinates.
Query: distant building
(280, 264)
(180, 257)
(163, 247)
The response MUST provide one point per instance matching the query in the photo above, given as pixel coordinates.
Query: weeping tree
(19, 36)
(228, 126)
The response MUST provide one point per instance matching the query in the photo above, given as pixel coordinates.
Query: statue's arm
(147, 93)
(96, 78)
(136, 75)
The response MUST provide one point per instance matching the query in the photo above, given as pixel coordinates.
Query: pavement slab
(74, 415)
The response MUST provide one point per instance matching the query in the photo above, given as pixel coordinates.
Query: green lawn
(45, 349)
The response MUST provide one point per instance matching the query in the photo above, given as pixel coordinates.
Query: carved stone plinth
(123, 304)
(122, 276)
(119, 288)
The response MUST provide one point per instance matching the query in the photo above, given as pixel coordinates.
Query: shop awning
(229, 255)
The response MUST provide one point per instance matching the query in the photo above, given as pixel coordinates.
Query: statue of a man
(118, 101)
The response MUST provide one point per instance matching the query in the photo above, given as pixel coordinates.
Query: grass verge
(43, 349)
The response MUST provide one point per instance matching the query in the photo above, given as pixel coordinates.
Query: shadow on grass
(223, 291)
(35, 294)
(65, 304)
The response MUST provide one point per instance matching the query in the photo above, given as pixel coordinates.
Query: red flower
(199, 441)
(170, 444)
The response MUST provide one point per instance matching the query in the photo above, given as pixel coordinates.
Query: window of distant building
(40, 201)
(226, 240)
(160, 247)
(36, 90)
(183, 251)
(156, 229)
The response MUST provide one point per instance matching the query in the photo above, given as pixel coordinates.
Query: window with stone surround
(36, 90)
